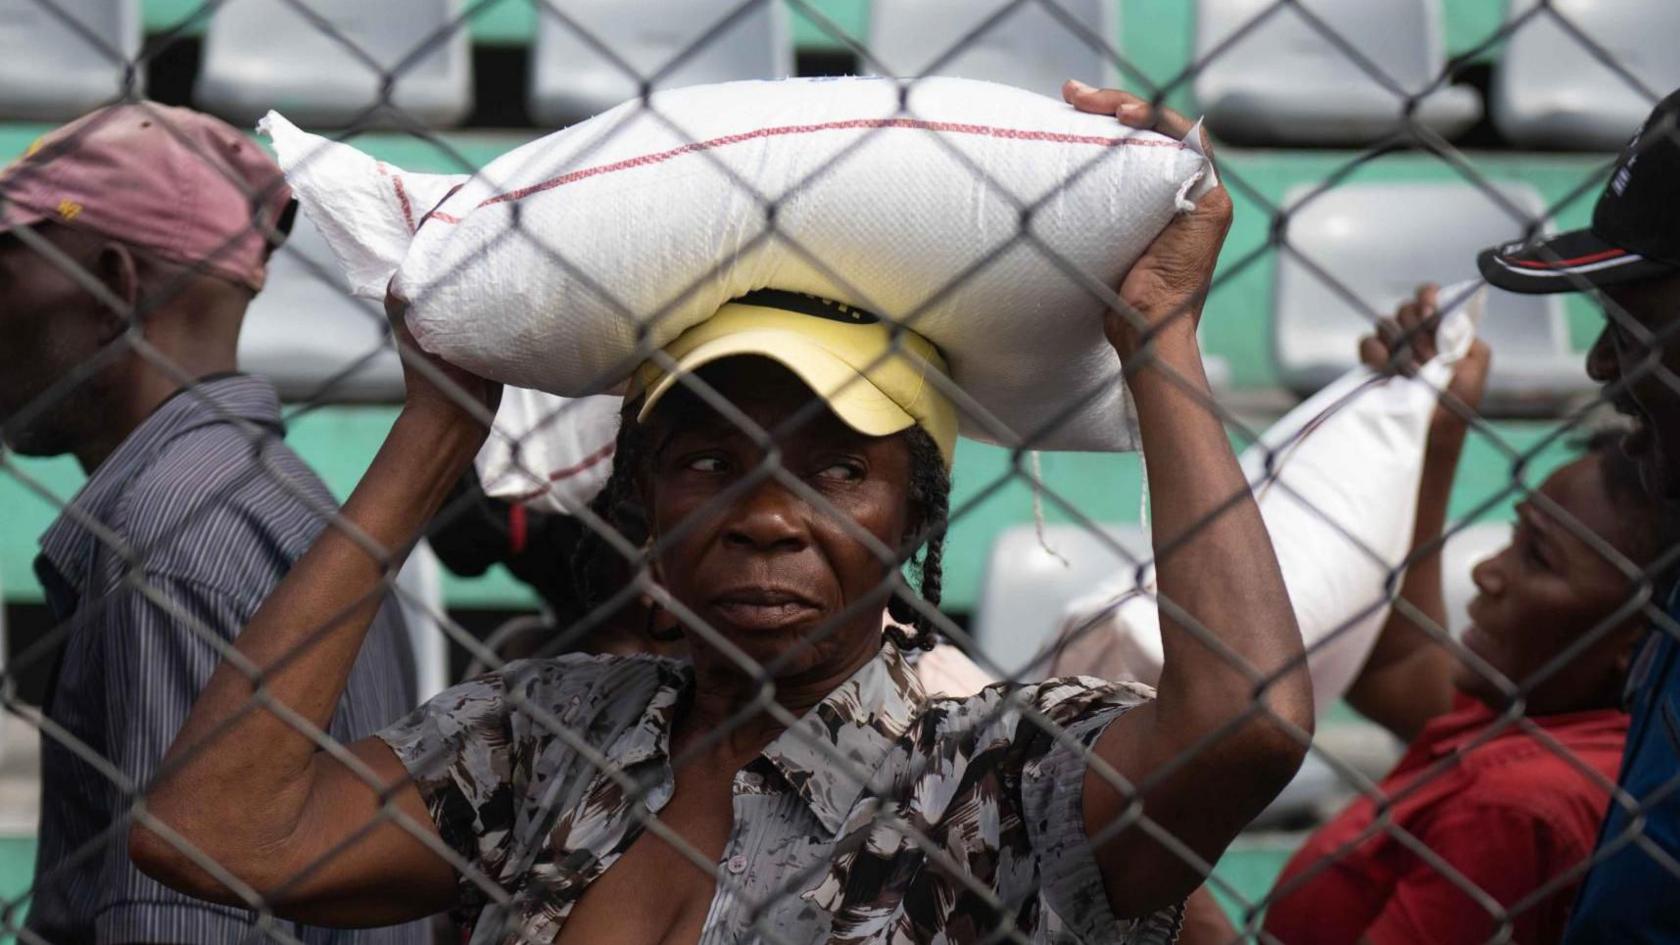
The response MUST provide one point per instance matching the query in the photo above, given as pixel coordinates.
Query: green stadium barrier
(17, 869)
(1250, 866)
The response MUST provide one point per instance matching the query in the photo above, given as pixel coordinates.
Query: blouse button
(737, 864)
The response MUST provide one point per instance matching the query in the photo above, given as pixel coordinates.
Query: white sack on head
(1339, 501)
(541, 270)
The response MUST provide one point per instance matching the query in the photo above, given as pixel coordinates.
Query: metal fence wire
(539, 774)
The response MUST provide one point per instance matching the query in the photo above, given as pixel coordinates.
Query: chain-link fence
(756, 651)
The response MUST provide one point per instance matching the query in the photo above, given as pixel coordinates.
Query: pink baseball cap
(182, 185)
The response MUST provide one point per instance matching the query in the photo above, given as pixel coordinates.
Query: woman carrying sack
(803, 786)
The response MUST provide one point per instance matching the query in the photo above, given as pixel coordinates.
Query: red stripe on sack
(402, 194)
(402, 198)
(516, 528)
(568, 472)
(659, 157)
(1565, 263)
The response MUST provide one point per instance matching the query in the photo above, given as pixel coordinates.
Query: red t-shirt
(1507, 816)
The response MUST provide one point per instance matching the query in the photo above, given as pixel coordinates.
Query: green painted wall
(17, 872)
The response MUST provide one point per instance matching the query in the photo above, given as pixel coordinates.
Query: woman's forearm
(300, 646)
(1225, 614)
(1206, 760)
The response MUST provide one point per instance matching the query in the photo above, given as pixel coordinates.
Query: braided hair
(930, 507)
(599, 571)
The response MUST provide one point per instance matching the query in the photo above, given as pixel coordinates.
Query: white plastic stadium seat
(262, 54)
(1026, 589)
(1030, 46)
(573, 78)
(51, 70)
(1551, 90)
(1350, 234)
(1286, 81)
(310, 337)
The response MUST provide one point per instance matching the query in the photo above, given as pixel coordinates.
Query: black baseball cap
(1635, 232)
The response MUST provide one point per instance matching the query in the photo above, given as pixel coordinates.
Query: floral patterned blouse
(882, 816)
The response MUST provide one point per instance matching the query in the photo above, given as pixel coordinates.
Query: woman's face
(758, 562)
(1550, 588)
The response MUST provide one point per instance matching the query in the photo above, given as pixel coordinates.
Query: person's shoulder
(214, 507)
(1061, 701)
(222, 476)
(585, 682)
(1560, 754)
(1559, 779)
(575, 670)
(1060, 693)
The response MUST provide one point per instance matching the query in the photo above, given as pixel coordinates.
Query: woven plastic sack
(546, 269)
(550, 453)
(1336, 481)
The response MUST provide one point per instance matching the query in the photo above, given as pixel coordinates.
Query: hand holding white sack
(552, 453)
(562, 264)
(1339, 500)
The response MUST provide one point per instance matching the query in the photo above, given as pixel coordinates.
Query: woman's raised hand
(433, 384)
(1405, 342)
(1169, 283)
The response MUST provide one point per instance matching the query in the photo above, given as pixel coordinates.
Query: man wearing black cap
(1630, 260)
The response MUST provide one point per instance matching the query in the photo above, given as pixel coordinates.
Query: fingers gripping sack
(988, 219)
(1337, 482)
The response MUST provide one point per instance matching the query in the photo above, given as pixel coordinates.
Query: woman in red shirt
(1514, 736)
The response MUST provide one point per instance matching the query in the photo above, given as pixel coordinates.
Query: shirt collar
(650, 737)
(859, 722)
(68, 544)
(1470, 719)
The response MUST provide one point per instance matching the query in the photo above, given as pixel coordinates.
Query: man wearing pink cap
(131, 242)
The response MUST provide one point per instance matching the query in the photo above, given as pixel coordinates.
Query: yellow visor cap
(875, 383)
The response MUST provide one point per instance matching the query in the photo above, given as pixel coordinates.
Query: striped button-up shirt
(162, 557)
(883, 816)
